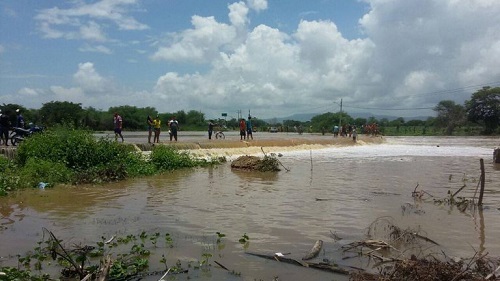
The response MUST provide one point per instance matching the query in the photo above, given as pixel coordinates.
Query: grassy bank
(74, 156)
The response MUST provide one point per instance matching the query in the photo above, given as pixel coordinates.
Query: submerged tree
(484, 108)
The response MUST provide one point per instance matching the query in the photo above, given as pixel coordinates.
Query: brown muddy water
(278, 211)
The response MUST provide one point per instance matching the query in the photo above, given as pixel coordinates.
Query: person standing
(173, 125)
(149, 120)
(157, 129)
(354, 134)
(249, 128)
(210, 129)
(118, 122)
(335, 131)
(4, 127)
(243, 129)
(19, 119)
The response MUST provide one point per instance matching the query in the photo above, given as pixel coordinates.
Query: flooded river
(279, 212)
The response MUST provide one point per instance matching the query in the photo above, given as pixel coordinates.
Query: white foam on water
(404, 147)
(391, 150)
(393, 147)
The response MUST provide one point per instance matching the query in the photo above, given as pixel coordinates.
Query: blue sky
(275, 58)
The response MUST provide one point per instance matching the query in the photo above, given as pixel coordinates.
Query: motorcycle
(19, 134)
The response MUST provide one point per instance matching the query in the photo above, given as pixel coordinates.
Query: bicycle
(219, 134)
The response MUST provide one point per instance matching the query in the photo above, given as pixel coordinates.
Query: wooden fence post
(480, 203)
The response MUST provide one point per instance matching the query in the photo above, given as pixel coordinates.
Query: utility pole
(340, 119)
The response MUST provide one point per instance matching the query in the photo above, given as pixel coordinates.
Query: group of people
(346, 130)
(154, 127)
(5, 125)
(246, 129)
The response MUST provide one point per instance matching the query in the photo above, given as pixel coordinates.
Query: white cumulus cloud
(83, 20)
(257, 5)
(200, 44)
(89, 80)
(409, 51)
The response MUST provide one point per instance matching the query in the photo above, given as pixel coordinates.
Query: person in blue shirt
(249, 128)
(20, 119)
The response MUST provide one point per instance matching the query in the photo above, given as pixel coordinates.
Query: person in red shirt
(243, 129)
(118, 121)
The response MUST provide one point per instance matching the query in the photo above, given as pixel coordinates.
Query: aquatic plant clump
(432, 269)
(167, 158)
(129, 257)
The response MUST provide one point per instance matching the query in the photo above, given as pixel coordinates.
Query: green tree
(181, 116)
(233, 123)
(359, 122)
(449, 115)
(372, 120)
(134, 118)
(397, 123)
(10, 110)
(325, 120)
(484, 108)
(94, 119)
(61, 112)
(415, 123)
(258, 123)
(195, 119)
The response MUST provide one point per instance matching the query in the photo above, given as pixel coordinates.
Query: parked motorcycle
(19, 134)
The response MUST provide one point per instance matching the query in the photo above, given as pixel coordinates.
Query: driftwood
(321, 266)
(221, 265)
(274, 156)
(314, 251)
(105, 269)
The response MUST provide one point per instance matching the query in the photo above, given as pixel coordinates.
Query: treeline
(479, 115)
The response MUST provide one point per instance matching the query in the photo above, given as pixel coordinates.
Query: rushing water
(280, 212)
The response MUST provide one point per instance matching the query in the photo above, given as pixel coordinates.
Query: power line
(378, 108)
(443, 92)
(456, 90)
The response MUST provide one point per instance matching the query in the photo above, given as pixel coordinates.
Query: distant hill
(304, 117)
(388, 117)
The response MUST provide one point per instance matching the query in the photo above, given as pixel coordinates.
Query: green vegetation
(482, 111)
(69, 156)
(131, 256)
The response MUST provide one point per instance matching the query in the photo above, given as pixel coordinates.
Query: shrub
(136, 165)
(4, 164)
(101, 173)
(166, 158)
(92, 160)
(38, 170)
(65, 155)
(77, 149)
(8, 183)
(8, 179)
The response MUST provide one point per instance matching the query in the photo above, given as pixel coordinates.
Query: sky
(272, 58)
